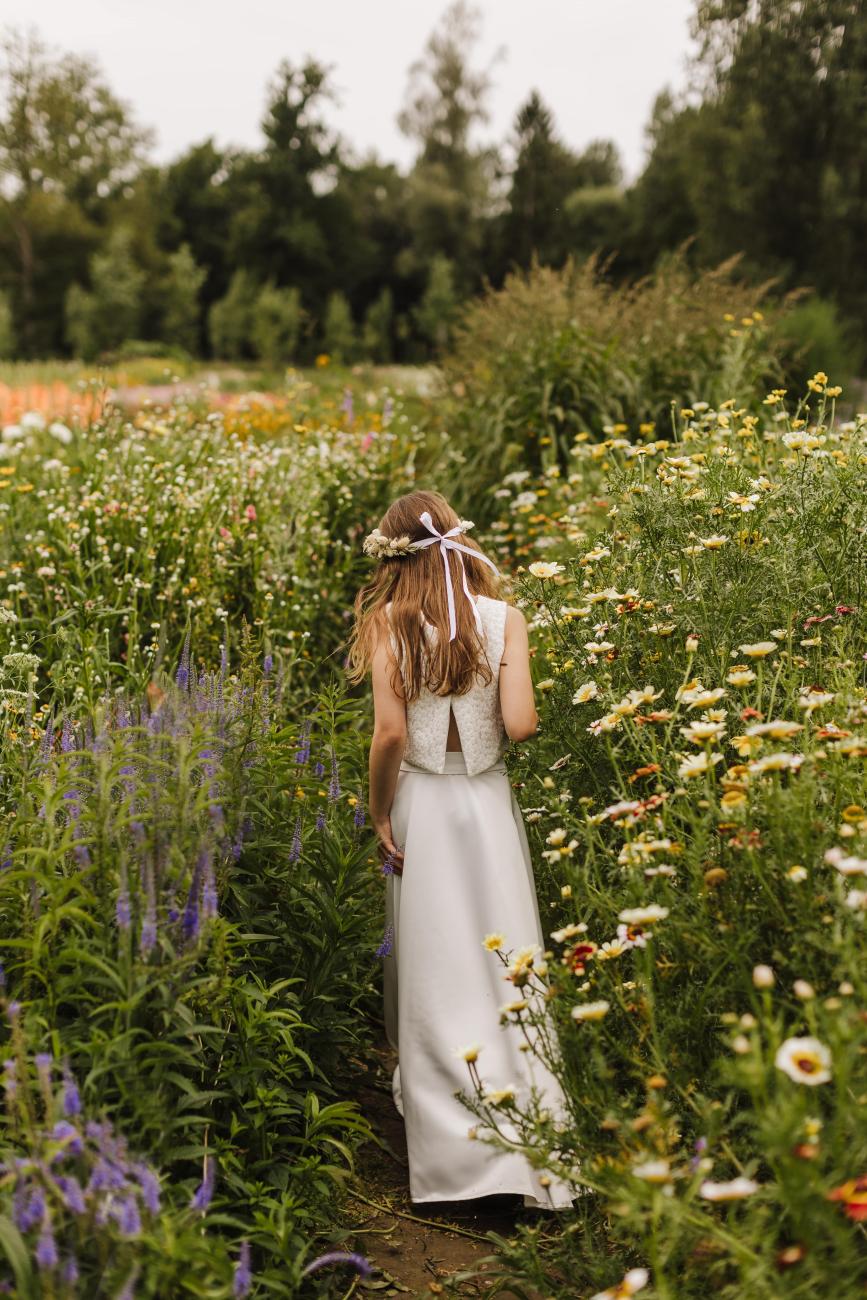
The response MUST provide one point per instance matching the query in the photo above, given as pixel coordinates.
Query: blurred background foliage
(762, 156)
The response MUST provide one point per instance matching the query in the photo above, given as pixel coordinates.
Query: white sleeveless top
(477, 714)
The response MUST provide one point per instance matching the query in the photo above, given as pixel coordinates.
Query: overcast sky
(194, 68)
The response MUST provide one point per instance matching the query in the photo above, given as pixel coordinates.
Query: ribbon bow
(447, 543)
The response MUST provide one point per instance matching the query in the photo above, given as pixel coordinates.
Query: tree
(230, 320)
(67, 146)
(7, 328)
(110, 313)
(435, 314)
(276, 325)
(339, 329)
(180, 295)
(377, 330)
(450, 190)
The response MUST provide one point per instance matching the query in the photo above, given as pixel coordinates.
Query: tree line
(299, 247)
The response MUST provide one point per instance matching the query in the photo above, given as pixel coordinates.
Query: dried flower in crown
(381, 547)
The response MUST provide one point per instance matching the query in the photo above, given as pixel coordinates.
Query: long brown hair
(415, 585)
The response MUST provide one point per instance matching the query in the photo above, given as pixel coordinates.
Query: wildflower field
(191, 904)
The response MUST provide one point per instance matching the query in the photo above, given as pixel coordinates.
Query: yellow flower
(733, 799)
(493, 942)
(589, 691)
(469, 1054)
(501, 1096)
(322, 360)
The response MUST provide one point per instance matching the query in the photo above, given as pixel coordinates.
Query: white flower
(699, 732)
(12, 432)
(589, 691)
(545, 569)
(635, 1280)
(805, 1060)
(653, 1171)
(778, 729)
(737, 1190)
(763, 977)
(556, 837)
(847, 865)
(501, 1096)
(60, 432)
(470, 1053)
(643, 915)
(628, 940)
(758, 650)
(591, 1011)
(803, 990)
(698, 764)
(32, 420)
(568, 931)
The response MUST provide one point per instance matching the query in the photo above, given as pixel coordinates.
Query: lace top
(477, 714)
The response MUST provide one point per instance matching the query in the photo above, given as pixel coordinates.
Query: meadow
(190, 900)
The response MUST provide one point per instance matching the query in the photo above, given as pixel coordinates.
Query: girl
(451, 681)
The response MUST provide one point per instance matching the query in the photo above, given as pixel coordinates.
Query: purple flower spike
(243, 1280)
(384, 949)
(69, 1272)
(71, 1098)
(334, 787)
(46, 1249)
(150, 1187)
(358, 816)
(295, 851)
(320, 821)
(358, 1262)
(388, 865)
(319, 770)
(183, 676)
(267, 665)
(202, 1197)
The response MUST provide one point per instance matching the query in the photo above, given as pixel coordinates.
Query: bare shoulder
(516, 623)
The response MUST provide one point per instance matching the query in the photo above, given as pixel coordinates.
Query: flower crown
(380, 547)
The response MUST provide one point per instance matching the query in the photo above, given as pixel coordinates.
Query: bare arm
(386, 748)
(516, 684)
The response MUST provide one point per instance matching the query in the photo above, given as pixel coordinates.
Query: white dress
(467, 873)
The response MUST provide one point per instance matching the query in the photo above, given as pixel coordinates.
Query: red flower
(577, 957)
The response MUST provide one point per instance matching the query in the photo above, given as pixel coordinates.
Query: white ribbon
(446, 544)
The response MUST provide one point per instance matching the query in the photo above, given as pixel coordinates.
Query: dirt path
(421, 1254)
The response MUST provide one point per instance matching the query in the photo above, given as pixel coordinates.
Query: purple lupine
(387, 867)
(150, 1187)
(334, 787)
(319, 770)
(128, 1217)
(43, 1062)
(69, 1135)
(295, 850)
(46, 1249)
(242, 1282)
(267, 665)
(182, 680)
(71, 1097)
(209, 887)
(358, 1262)
(148, 936)
(30, 1211)
(384, 949)
(202, 1196)
(347, 406)
(358, 815)
(67, 738)
(320, 820)
(71, 1192)
(302, 754)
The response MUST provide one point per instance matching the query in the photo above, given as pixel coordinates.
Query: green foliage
(230, 320)
(7, 327)
(338, 328)
(180, 301)
(377, 334)
(111, 311)
(437, 311)
(814, 335)
(557, 353)
(697, 792)
(276, 325)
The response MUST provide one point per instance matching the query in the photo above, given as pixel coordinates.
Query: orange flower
(853, 1197)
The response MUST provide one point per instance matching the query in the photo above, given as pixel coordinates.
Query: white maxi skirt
(467, 873)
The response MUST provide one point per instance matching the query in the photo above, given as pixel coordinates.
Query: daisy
(635, 1280)
(736, 1190)
(591, 1011)
(804, 1060)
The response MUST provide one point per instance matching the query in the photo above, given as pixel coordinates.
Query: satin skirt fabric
(467, 873)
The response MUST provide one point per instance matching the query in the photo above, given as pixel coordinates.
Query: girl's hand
(387, 846)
